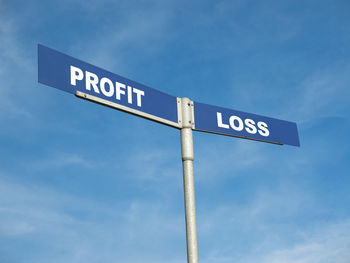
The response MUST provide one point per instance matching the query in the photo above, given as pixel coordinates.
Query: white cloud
(266, 208)
(84, 229)
(14, 63)
(137, 30)
(328, 243)
(155, 164)
(271, 231)
(227, 159)
(324, 94)
(61, 160)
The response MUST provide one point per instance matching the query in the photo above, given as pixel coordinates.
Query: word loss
(237, 124)
(106, 86)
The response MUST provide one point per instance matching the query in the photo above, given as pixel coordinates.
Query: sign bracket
(120, 107)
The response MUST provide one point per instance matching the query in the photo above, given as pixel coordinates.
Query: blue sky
(83, 183)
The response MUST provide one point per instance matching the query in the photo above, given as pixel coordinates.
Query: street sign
(92, 83)
(240, 124)
(72, 75)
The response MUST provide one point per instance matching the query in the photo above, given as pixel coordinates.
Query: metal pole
(187, 164)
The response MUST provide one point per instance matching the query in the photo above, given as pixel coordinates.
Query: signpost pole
(187, 164)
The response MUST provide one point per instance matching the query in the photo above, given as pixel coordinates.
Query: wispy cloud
(324, 94)
(14, 63)
(43, 214)
(41, 217)
(271, 231)
(134, 30)
(329, 243)
(266, 208)
(155, 165)
(226, 160)
(60, 160)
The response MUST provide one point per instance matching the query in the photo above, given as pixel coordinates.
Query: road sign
(72, 75)
(89, 82)
(240, 124)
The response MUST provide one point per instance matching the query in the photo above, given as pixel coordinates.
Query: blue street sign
(69, 74)
(86, 81)
(229, 122)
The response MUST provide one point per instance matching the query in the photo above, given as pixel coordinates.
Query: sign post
(94, 84)
(187, 165)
